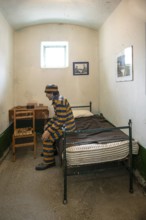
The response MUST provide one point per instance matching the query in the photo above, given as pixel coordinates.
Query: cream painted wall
(120, 101)
(30, 79)
(6, 72)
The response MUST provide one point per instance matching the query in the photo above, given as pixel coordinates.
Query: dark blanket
(98, 136)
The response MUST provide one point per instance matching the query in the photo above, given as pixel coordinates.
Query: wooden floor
(27, 194)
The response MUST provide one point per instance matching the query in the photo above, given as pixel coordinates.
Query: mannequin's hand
(45, 127)
(45, 135)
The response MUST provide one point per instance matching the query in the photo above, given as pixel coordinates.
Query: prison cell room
(94, 51)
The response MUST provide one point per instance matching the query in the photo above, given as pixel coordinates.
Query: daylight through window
(54, 54)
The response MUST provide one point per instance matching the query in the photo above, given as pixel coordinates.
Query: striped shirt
(63, 115)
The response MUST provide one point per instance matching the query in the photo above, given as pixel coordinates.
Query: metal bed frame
(75, 170)
(84, 106)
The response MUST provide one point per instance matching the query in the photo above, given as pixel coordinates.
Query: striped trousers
(48, 146)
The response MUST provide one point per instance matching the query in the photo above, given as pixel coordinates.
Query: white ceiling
(88, 13)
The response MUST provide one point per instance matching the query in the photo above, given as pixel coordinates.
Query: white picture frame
(125, 65)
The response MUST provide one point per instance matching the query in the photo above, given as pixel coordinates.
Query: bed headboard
(84, 106)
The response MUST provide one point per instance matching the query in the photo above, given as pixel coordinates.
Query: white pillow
(78, 113)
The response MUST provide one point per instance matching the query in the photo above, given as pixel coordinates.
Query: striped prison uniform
(63, 117)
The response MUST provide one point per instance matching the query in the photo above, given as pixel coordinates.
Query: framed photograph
(125, 65)
(80, 68)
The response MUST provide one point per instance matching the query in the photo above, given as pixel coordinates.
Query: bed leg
(65, 180)
(131, 177)
(65, 170)
(130, 159)
(131, 180)
(65, 186)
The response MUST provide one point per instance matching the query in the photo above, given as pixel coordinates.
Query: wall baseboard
(5, 140)
(140, 161)
(140, 180)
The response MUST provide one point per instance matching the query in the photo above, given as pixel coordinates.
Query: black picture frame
(80, 68)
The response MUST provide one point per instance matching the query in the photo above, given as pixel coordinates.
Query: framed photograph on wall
(125, 65)
(80, 68)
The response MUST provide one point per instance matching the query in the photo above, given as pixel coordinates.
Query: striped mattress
(99, 153)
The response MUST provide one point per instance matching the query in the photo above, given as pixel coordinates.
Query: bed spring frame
(75, 170)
